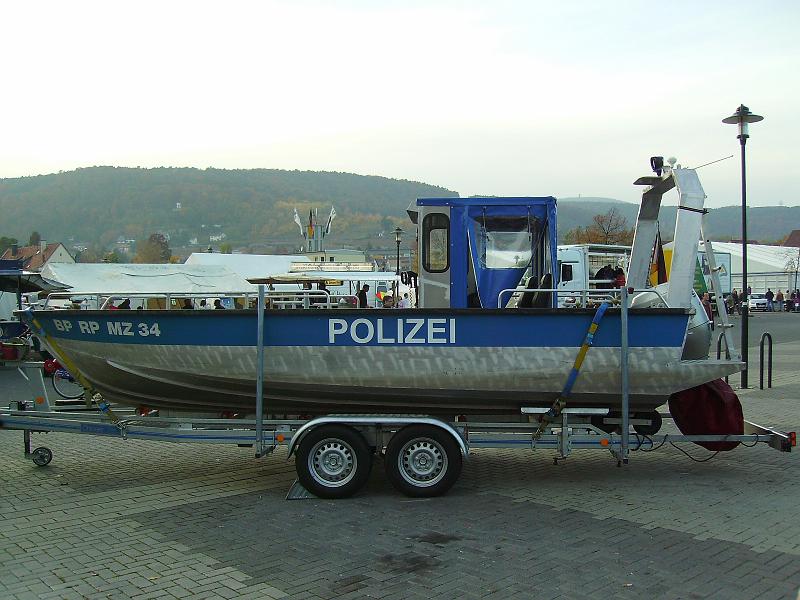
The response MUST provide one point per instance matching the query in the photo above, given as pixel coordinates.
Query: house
(793, 241)
(34, 258)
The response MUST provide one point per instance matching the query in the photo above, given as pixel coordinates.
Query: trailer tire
(42, 456)
(333, 461)
(597, 421)
(655, 423)
(422, 461)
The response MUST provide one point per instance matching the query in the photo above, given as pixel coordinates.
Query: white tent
(120, 279)
(767, 266)
(249, 266)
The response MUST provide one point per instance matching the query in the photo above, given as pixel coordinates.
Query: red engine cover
(709, 409)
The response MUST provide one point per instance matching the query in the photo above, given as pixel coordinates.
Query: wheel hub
(423, 462)
(332, 463)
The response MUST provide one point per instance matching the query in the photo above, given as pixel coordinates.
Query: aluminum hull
(318, 362)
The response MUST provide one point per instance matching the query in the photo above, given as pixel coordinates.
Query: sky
(504, 97)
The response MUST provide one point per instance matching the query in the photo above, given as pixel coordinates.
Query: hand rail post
(768, 337)
(624, 374)
(260, 374)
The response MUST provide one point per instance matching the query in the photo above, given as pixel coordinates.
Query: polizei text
(394, 331)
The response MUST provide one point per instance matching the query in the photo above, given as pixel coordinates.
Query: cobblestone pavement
(131, 519)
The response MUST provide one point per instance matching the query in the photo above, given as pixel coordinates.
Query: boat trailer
(423, 454)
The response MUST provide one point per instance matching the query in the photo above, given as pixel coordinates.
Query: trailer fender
(375, 421)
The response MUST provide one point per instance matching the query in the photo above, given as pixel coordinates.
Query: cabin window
(566, 272)
(436, 246)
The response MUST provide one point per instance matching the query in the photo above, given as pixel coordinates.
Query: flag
(658, 266)
(310, 224)
(299, 222)
(330, 220)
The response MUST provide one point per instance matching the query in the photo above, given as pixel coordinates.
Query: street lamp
(743, 117)
(398, 234)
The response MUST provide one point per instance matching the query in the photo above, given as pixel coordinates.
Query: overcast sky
(502, 97)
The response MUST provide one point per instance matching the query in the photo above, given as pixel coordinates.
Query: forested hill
(764, 223)
(97, 205)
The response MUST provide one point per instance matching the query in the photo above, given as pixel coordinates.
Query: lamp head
(742, 117)
(398, 233)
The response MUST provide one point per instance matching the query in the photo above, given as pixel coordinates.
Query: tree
(35, 239)
(112, 257)
(609, 228)
(153, 250)
(226, 248)
(88, 255)
(6, 243)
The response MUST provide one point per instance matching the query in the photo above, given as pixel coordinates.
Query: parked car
(757, 302)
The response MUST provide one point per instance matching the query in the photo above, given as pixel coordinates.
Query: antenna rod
(713, 161)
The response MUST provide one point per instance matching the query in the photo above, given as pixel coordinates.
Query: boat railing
(576, 297)
(282, 299)
(308, 299)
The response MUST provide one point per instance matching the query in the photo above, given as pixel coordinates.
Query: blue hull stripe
(363, 328)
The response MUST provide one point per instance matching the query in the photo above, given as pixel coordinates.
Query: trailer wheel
(655, 423)
(422, 461)
(42, 456)
(333, 461)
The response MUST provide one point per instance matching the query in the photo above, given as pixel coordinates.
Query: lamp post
(743, 117)
(398, 234)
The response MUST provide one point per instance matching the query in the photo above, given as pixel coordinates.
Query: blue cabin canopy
(496, 240)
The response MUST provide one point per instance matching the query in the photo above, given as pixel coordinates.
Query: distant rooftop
(793, 240)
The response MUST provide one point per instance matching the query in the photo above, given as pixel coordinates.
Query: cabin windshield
(506, 242)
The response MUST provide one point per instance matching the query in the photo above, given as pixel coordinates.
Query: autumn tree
(154, 249)
(113, 257)
(609, 228)
(35, 239)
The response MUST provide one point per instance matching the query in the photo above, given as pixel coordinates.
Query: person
(735, 300)
(404, 302)
(203, 304)
(388, 301)
(125, 304)
(770, 296)
(187, 304)
(218, 304)
(779, 300)
(797, 301)
(619, 278)
(111, 306)
(362, 296)
(707, 306)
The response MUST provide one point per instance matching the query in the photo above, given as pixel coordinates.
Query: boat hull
(319, 362)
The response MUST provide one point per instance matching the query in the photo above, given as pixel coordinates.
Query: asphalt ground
(130, 519)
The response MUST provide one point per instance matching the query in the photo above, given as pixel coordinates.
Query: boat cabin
(472, 249)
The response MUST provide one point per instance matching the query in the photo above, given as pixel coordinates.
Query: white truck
(579, 266)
